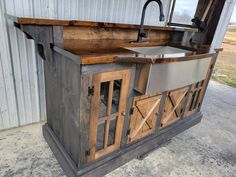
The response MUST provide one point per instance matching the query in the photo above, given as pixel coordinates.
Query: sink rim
(159, 50)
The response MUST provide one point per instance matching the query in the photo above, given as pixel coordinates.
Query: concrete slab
(208, 149)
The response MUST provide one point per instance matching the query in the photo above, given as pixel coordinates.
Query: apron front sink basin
(161, 77)
(163, 51)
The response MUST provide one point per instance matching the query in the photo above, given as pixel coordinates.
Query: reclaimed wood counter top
(56, 22)
(102, 42)
(105, 54)
(110, 51)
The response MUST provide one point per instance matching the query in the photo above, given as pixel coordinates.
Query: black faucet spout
(141, 32)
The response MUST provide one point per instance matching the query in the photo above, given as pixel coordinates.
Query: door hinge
(87, 152)
(128, 132)
(91, 91)
(212, 66)
(131, 110)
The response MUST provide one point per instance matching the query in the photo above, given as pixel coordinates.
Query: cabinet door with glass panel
(108, 105)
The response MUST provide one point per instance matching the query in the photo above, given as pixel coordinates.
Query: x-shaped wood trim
(143, 117)
(173, 103)
(134, 133)
(175, 107)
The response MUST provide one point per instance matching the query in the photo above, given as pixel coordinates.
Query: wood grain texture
(144, 116)
(173, 106)
(80, 23)
(62, 101)
(130, 58)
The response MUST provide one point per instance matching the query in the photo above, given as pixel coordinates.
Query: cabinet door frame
(174, 105)
(136, 131)
(124, 76)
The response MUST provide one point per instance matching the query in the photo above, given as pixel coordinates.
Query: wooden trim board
(42, 21)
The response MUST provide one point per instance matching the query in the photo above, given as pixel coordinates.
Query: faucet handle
(144, 34)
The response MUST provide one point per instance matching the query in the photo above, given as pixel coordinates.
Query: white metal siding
(22, 99)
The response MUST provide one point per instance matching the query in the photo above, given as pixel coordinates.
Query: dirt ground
(225, 70)
(207, 150)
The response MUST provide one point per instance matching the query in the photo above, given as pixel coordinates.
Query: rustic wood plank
(94, 117)
(42, 21)
(85, 114)
(122, 106)
(127, 59)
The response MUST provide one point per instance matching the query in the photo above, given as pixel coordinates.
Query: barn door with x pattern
(108, 106)
(143, 117)
(174, 106)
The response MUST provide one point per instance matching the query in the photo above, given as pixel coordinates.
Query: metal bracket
(43, 37)
(128, 131)
(131, 111)
(87, 152)
(212, 66)
(91, 91)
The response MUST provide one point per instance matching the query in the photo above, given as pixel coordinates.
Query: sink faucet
(141, 32)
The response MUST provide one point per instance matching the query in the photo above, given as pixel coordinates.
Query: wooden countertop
(41, 21)
(106, 51)
(123, 55)
(133, 57)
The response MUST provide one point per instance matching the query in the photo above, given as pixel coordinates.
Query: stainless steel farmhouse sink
(160, 50)
(160, 77)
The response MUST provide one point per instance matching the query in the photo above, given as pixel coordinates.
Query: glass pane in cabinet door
(103, 99)
(112, 132)
(116, 96)
(100, 137)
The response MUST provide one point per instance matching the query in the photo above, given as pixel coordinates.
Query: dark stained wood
(41, 21)
(212, 19)
(85, 114)
(131, 58)
(62, 101)
(81, 39)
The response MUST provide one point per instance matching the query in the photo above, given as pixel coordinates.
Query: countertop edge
(56, 22)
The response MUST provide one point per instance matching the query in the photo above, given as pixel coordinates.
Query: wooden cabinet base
(113, 161)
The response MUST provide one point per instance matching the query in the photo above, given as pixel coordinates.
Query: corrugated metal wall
(22, 98)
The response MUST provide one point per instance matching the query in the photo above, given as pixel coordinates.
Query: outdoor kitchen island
(110, 98)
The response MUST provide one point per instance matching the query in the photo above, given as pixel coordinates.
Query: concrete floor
(208, 149)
